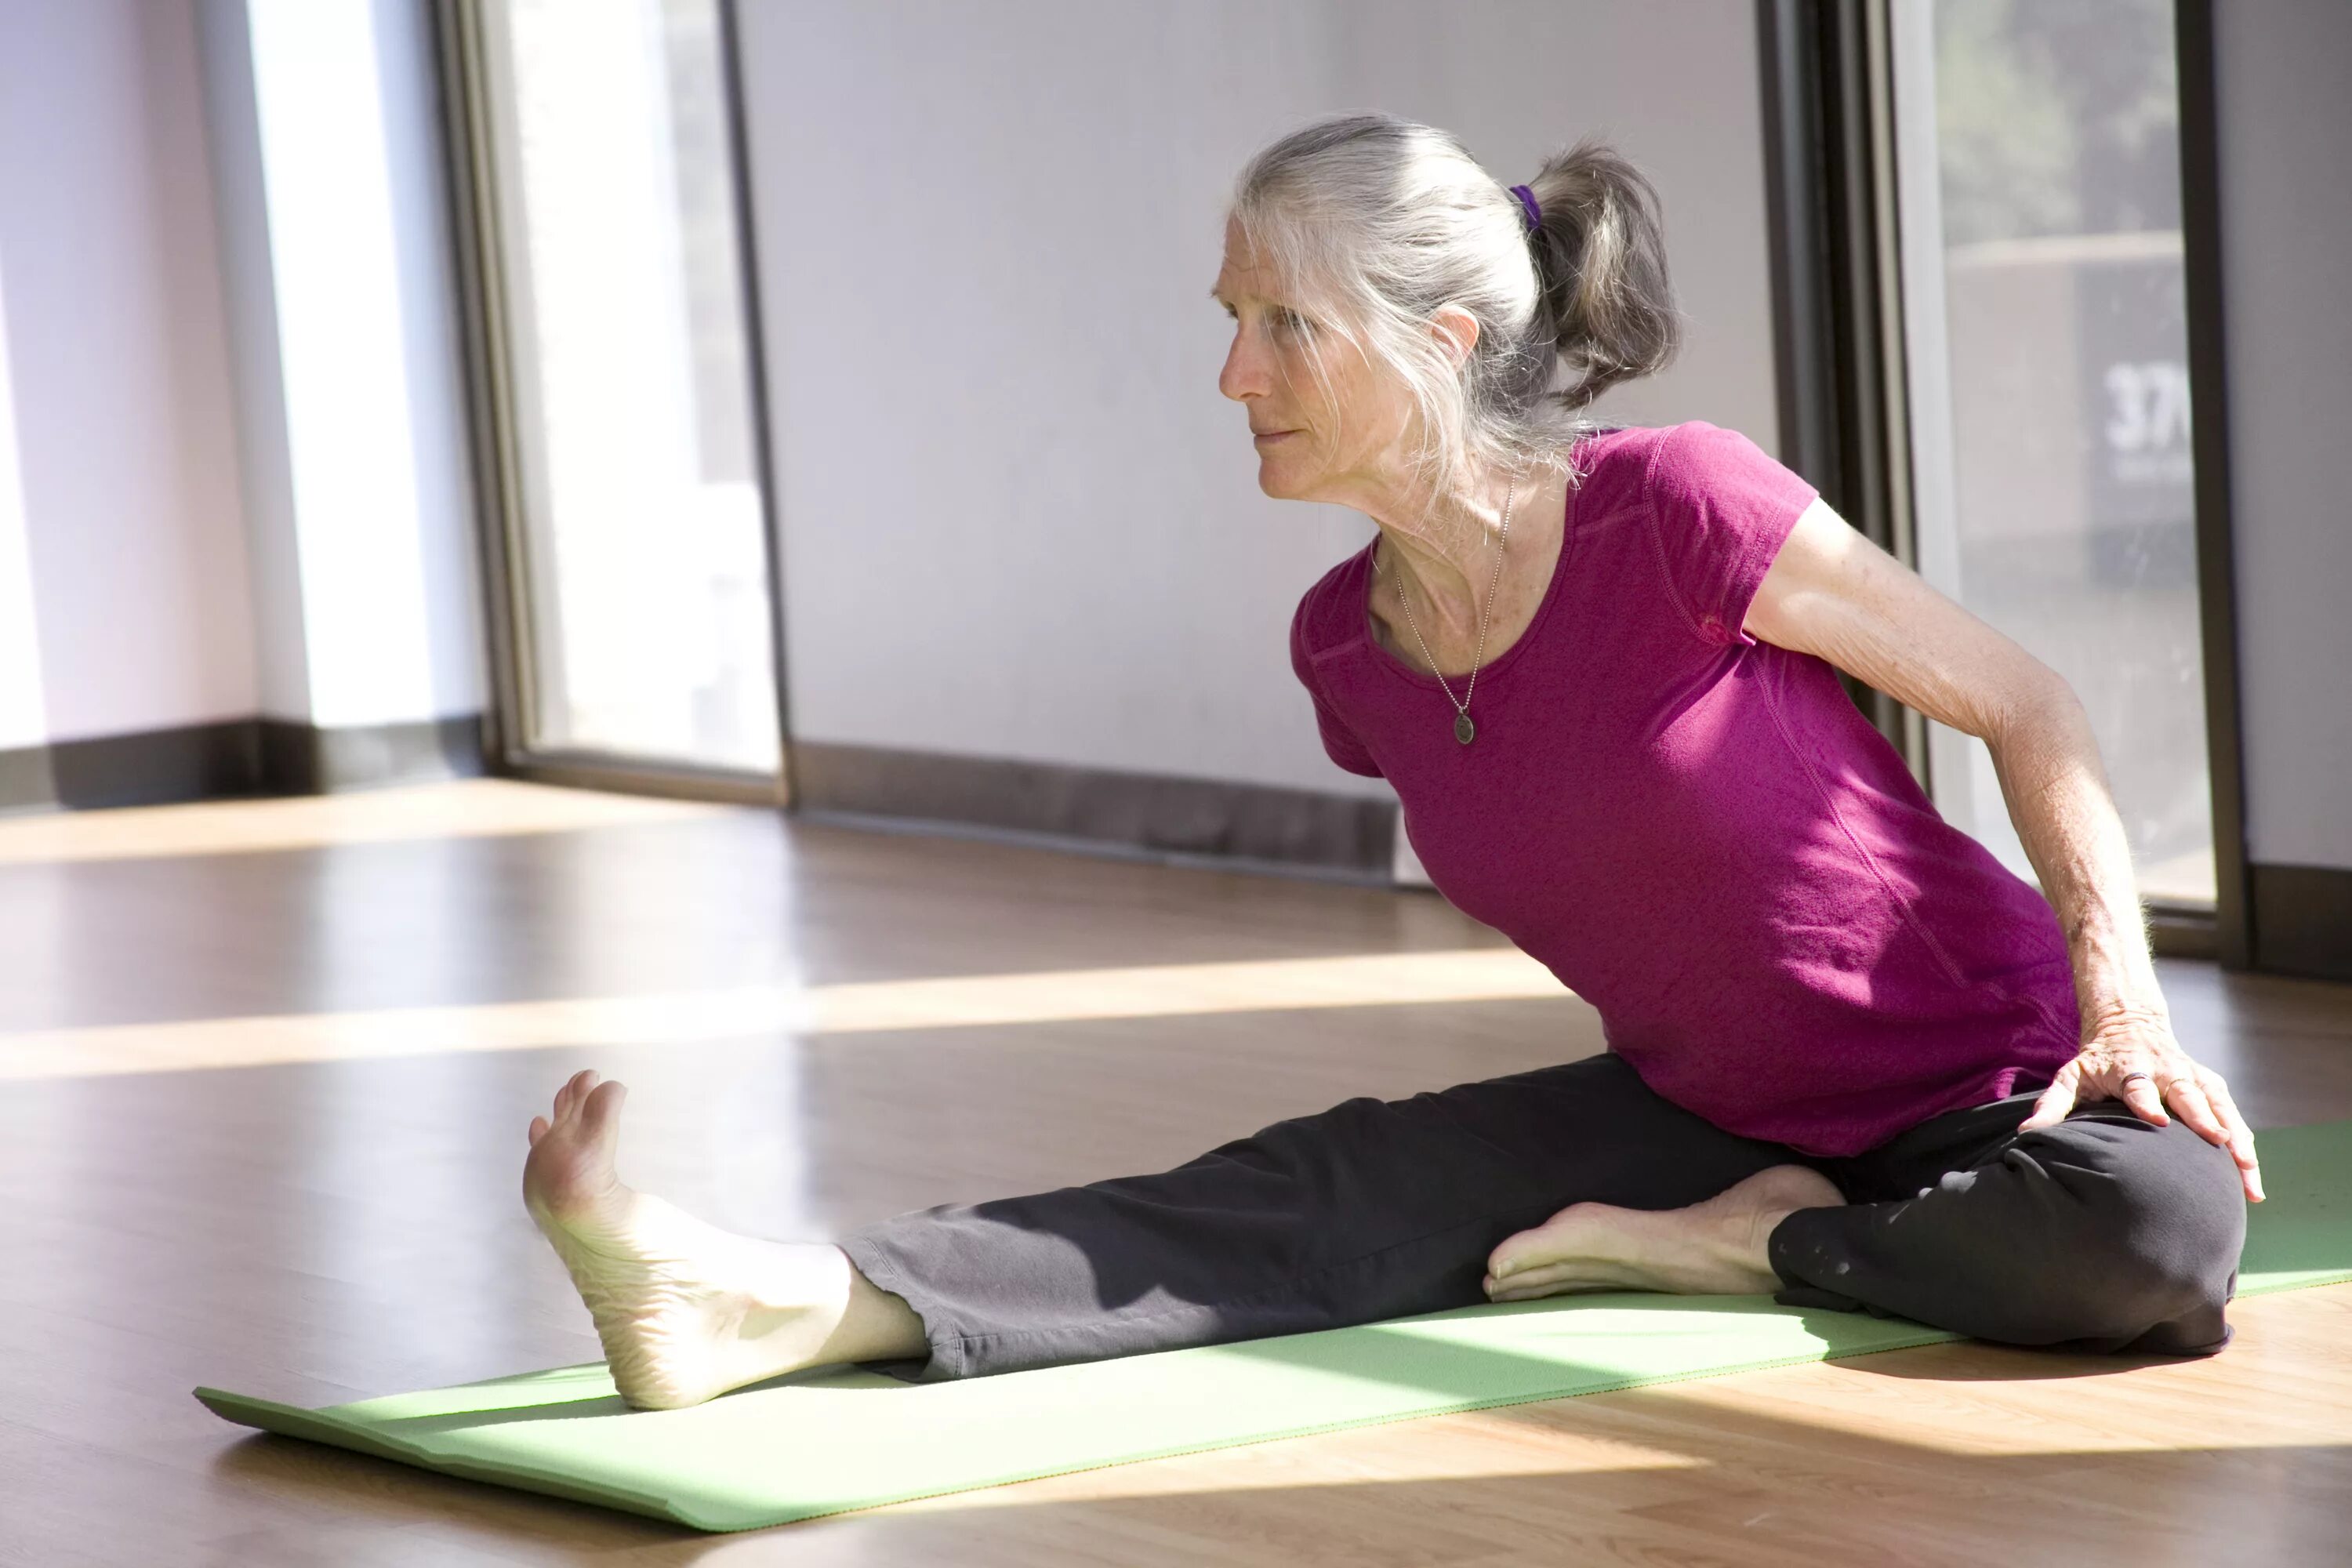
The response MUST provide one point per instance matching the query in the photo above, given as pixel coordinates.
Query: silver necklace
(1464, 731)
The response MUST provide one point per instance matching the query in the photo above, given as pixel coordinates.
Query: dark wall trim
(634, 775)
(2178, 932)
(240, 757)
(1236, 823)
(2301, 919)
(155, 767)
(302, 759)
(1837, 318)
(2237, 921)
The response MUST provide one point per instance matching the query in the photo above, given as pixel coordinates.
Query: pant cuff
(946, 1360)
(1797, 1253)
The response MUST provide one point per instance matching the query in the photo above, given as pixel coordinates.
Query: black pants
(2103, 1233)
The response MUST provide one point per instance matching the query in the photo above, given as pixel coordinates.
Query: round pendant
(1463, 729)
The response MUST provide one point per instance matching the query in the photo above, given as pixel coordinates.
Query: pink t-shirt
(1697, 831)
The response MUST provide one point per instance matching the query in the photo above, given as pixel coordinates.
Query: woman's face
(1313, 443)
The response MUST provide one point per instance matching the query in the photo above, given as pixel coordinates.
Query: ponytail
(1601, 261)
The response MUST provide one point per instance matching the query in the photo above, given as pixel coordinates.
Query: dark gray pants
(2103, 1233)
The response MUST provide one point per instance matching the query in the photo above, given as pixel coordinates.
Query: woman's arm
(1832, 593)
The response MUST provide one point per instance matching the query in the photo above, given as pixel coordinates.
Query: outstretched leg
(685, 1310)
(1370, 1210)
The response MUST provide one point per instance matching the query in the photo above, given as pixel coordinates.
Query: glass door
(636, 586)
(2039, 203)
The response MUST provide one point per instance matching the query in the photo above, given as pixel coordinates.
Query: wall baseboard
(2183, 934)
(302, 759)
(238, 757)
(1191, 819)
(2301, 917)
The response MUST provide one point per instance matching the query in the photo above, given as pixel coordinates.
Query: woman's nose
(1245, 374)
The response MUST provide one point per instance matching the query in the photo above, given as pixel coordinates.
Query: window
(636, 547)
(2039, 203)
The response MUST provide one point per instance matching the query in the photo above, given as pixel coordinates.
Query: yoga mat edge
(322, 1426)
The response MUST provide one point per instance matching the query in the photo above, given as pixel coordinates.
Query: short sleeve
(1339, 743)
(1720, 508)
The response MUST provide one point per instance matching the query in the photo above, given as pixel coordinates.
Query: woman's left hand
(2143, 1043)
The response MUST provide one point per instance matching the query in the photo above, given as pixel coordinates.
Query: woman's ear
(1457, 331)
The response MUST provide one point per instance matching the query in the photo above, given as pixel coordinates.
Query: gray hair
(1373, 222)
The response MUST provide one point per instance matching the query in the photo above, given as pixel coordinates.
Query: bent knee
(2152, 1234)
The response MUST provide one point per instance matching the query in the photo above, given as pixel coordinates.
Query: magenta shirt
(1697, 831)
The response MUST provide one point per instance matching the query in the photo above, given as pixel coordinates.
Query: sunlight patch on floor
(464, 808)
(1477, 1446)
(1968, 1400)
(1975, 1400)
(1160, 991)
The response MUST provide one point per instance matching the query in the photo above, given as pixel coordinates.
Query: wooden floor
(265, 1068)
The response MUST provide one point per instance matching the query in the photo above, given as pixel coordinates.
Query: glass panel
(2040, 197)
(644, 567)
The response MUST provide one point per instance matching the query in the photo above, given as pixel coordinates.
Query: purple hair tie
(1529, 205)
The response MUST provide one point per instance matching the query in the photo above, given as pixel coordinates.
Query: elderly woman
(1853, 1060)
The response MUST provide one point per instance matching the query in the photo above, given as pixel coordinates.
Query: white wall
(23, 714)
(126, 488)
(2286, 224)
(1019, 520)
(233, 471)
(324, 129)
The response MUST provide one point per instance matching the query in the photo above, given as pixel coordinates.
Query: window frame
(493, 420)
(1831, 141)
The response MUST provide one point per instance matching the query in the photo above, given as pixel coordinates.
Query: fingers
(2241, 1137)
(2196, 1094)
(2199, 1106)
(2056, 1101)
(2188, 1096)
(2203, 1101)
(2145, 1095)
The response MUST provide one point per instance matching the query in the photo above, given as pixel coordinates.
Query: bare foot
(1714, 1247)
(686, 1310)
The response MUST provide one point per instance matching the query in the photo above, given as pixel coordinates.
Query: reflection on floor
(683, 1018)
(472, 808)
(264, 1069)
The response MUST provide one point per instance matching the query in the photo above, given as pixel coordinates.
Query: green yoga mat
(828, 1440)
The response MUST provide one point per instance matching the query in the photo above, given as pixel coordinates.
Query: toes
(600, 1114)
(537, 1130)
(1515, 1253)
(576, 1088)
(1531, 1279)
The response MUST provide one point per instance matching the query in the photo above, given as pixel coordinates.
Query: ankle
(874, 1324)
(809, 1294)
(795, 1278)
